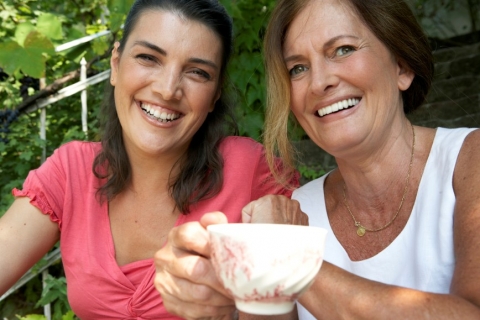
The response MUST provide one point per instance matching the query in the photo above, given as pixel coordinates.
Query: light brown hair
(391, 21)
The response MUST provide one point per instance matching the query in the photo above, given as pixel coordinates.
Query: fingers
(185, 276)
(247, 212)
(190, 237)
(213, 218)
(274, 209)
(189, 287)
(185, 259)
(197, 311)
(189, 292)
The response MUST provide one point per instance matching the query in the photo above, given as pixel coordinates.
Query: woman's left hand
(185, 276)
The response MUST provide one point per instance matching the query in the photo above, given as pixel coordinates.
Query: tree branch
(57, 84)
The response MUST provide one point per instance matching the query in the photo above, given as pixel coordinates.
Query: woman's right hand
(274, 209)
(185, 276)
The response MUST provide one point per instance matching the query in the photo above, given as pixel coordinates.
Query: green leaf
(119, 6)
(39, 42)
(32, 61)
(9, 52)
(49, 25)
(22, 31)
(33, 317)
(100, 45)
(68, 316)
(26, 155)
(116, 20)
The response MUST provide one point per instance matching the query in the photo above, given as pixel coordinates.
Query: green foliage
(55, 291)
(246, 68)
(29, 32)
(67, 316)
(310, 173)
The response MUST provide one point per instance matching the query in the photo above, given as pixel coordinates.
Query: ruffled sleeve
(38, 200)
(49, 185)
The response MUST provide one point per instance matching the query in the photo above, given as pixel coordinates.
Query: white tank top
(422, 255)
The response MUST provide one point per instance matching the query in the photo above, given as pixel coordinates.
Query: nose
(167, 83)
(323, 78)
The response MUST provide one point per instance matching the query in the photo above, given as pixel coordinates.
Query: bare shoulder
(466, 183)
(467, 169)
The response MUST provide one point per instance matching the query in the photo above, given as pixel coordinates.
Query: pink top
(64, 187)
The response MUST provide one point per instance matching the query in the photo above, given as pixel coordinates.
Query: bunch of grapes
(3, 75)
(28, 82)
(6, 117)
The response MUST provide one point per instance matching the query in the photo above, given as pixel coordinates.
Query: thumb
(247, 212)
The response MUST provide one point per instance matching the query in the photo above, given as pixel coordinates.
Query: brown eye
(202, 73)
(146, 58)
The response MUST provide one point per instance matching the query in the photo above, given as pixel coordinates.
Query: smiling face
(345, 84)
(166, 81)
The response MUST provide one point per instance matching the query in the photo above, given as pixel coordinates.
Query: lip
(157, 114)
(336, 106)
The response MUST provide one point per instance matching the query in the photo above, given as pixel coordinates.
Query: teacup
(266, 267)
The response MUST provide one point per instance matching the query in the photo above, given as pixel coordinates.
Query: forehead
(324, 19)
(166, 28)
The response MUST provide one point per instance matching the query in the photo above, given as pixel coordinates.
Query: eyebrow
(150, 46)
(327, 44)
(330, 42)
(164, 53)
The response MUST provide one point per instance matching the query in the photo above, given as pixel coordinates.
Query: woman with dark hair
(165, 159)
(403, 207)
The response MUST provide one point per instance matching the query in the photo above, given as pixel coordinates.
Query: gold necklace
(362, 229)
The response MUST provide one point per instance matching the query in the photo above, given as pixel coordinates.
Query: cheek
(298, 95)
(361, 71)
(203, 99)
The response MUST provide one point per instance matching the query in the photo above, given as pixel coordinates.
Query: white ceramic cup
(266, 266)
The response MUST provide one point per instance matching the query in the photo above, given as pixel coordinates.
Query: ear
(114, 61)
(405, 75)
(217, 96)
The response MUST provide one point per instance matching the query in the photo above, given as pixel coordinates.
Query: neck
(152, 174)
(381, 169)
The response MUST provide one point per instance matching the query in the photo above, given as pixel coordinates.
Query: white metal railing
(41, 104)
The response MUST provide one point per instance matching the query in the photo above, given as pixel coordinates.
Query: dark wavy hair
(201, 168)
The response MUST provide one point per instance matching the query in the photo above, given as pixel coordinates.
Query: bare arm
(338, 294)
(26, 235)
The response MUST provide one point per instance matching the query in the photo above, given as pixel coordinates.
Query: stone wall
(454, 101)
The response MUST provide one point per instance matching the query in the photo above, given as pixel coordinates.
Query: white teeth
(344, 104)
(161, 116)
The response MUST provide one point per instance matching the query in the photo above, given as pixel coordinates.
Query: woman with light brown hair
(403, 207)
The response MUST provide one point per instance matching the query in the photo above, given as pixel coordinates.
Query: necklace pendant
(360, 231)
